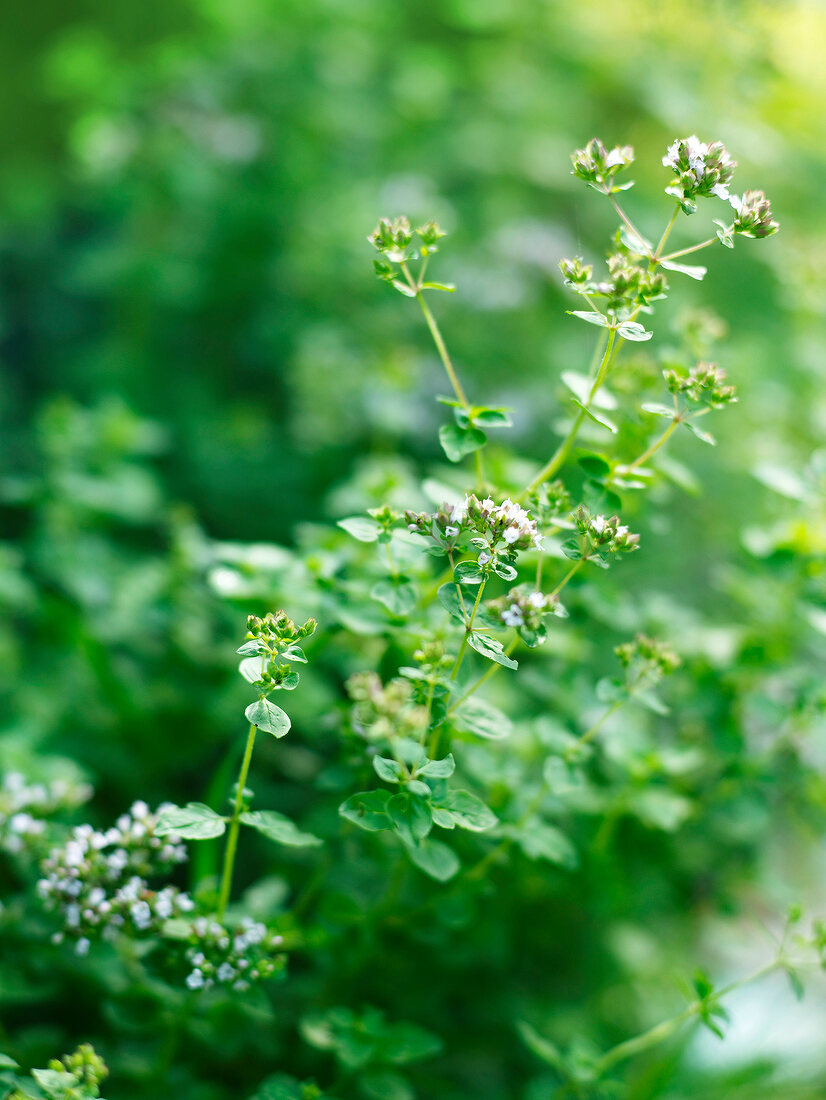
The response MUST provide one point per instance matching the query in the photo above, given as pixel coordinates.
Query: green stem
(628, 223)
(571, 572)
(483, 679)
(666, 234)
(234, 826)
(562, 451)
(672, 427)
(460, 655)
(442, 350)
(654, 1035)
(694, 248)
(595, 728)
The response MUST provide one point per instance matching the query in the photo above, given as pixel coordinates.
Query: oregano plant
(450, 749)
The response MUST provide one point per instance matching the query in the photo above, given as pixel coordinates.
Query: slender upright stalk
(694, 248)
(234, 826)
(564, 448)
(460, 655)
(655, 446)
(568, 576)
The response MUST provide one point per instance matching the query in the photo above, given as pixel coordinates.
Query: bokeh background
(194, 351)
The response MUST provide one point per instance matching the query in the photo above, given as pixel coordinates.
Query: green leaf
(633, 330)
(635, 242)
(403, 288)
(482, 719)
(368, 810)
(468, 572)
(362, 528)
(595, 465)
(435, 859)
(389, 770)
(661, 809)
(706, 437)
(438, 769)
(457, 442)
(403, 1043)
(581, 385)
(540, 841)
(254, 647)
(659, 410)
(195, 821)
(491, 648)
(725, 233)
(571, 549)
(289, 683)
(54, 1082)
(410, 815)
(650, 701)
(279, 828)
(439, 286)
(396, 593)
(491, 418)
(593, 318)
(8, 1063)
(467, 811)
(543, 1048)
(598, 418)
(692, 271)
(266, 716)
(450, 600)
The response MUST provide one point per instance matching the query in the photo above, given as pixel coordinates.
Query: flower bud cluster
(97, 882)
(232, 957)
(432, 658)
(393, 240)
(383, 711)
(647, 658)
(754, 215)
(277, 630)
(23, 808)
(598, 166)
(577, 274)
(275, 640)
(524, 609)
(550, 501)
(88, 1069)
(604, 535)
(702, 171)
(704, 383)
(630, 284)
(506, 523)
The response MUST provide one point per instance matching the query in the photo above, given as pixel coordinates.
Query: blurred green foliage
(196, 356)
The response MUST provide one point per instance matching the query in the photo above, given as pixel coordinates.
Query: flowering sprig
(702, 170)
(599, 538)
(524, 610)
(25, 808)
(76, 1076)
(100, 882)
(234, 957)
(599, 167)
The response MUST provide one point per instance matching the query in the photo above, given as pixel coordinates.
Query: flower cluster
(506, 523)
(232, 957)
(274, 639)
(705, 383)
(550, 502)
(754, 215)
(24, 806)
(600, 535)
(599, 166)
(702, 171)
(97, 881)
(628, 284)
(394, 241)
(76, 1076)
(647, 658)
(524, 609)
(384, 711)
